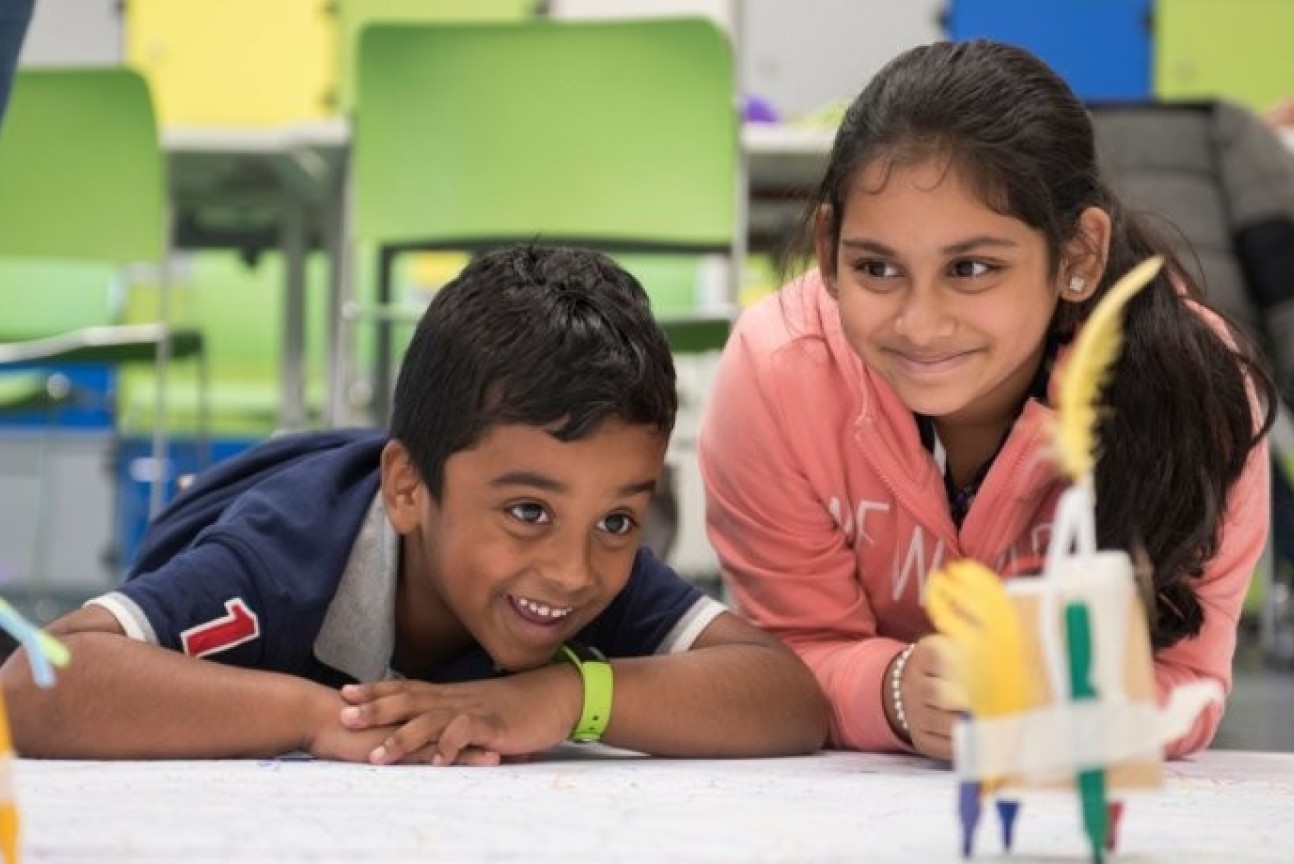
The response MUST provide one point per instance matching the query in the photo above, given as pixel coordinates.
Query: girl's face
(947, 299)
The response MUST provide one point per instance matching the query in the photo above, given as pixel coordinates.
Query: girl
(889, 412)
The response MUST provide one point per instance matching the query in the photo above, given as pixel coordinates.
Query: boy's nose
(570, 567)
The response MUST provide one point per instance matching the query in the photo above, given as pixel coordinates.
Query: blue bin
(1101, 47)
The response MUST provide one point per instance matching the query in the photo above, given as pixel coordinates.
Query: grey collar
(358, 632)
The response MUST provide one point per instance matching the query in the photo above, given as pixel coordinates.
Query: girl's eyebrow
(961, 247)
(979, 242)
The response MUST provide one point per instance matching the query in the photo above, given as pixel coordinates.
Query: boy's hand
(329, 739)
(473, 723)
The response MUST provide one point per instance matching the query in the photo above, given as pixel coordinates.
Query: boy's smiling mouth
(538, 612)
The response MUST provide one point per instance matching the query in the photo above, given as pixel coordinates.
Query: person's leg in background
(1282, 578)
(14, 17)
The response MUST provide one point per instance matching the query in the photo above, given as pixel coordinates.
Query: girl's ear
(824, 246)
(401, 488)
(1084, 256)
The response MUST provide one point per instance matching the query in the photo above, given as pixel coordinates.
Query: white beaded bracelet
(896, 690)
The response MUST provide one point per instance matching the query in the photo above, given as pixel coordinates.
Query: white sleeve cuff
(691, 625)
(132, 619)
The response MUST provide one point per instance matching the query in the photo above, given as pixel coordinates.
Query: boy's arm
(120, 698)
(737, 692)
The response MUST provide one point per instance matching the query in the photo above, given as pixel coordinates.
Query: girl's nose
(924, 317)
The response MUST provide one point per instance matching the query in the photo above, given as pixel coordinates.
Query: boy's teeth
(544, 609)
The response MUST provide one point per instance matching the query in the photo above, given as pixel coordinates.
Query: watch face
(577, 652)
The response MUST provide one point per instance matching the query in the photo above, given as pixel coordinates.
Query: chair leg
(161, 446)
(45, 509)
(382, 364)
(45, 506)
(204, 408)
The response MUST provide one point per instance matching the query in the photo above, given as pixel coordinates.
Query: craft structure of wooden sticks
(1057, 669)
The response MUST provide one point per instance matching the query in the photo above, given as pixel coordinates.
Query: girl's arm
(1221, 591)
(788, 563)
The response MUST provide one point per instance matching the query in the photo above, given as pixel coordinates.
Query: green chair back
(355, 15)
(620, 133)
(81, 172)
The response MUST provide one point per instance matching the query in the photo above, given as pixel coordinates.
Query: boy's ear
(1084, 256)
(401, 487)
(824, 246)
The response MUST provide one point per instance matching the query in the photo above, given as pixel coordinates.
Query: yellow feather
(1079, 382)
(968, 603)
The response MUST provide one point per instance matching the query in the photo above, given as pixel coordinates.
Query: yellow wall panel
(235, 62)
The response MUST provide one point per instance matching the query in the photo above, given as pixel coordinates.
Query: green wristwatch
(595, 671)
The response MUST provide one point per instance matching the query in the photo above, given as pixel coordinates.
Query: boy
(490, 544)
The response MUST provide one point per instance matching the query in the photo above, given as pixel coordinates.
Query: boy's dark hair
(1180, 426)
(551, 337)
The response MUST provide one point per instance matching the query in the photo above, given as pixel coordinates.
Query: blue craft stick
(43, 651)
(1006, 813)
(968, 810)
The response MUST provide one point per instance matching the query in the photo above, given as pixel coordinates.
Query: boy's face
(532, 537)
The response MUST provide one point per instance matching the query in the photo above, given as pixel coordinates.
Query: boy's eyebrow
(959, 248)
(536, 480)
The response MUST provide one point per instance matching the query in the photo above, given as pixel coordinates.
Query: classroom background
(222, 216)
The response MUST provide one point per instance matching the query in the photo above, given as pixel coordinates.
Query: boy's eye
(530, 513)
(618, 524)
(968, 268)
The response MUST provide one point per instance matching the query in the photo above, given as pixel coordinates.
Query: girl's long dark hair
(1180, 425)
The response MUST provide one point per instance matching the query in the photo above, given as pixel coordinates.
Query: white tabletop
(607, 806)
(778, 154)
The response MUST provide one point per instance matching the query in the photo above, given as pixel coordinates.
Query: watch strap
(595, 673)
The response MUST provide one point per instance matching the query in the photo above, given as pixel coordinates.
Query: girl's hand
(932, 699)
(473, 723)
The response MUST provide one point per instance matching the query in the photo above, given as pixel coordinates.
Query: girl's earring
(1076, 285)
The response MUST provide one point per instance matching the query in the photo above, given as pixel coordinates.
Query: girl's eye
(876, 269)
(618, 524)
(969, 269)
(530, 513)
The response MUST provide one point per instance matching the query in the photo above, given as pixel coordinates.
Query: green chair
(621, 136)
(353, 16)
(81, 178)
(239, 307)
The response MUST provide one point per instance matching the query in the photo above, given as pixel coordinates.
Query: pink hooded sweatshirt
(828, 514)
